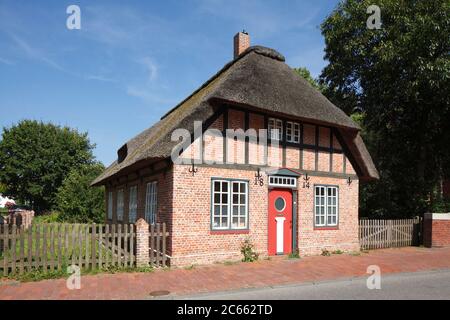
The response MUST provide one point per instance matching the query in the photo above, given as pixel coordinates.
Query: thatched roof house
(307, 180)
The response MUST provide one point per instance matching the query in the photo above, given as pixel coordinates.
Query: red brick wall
(344, 237)
(195, 243)
(164, 198)
(184, 201)
(436, 230)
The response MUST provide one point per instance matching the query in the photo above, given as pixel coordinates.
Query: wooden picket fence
(378, 234)
(158, 243)
(51, 247)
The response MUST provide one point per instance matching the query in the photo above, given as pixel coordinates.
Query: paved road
(423, 285)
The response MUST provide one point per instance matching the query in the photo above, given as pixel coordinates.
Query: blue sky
(133, 60)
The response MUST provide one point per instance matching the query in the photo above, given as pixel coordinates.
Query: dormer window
(122, 153)
(275, 129)
(293, 132)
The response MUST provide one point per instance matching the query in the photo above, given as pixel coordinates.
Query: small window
(110, 205)
(132, 209)
(280, 181)
(229, 205)
(293, 132)
(120, 205)
(326, 206)
(151, 204)
(275, 129)
(280, 204)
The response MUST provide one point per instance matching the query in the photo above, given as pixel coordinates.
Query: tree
(77, 201)
(35, 157)
(305, 74)
(398, 76)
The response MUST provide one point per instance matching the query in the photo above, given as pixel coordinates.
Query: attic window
(293, 132)
(275, 129)
(122, 153)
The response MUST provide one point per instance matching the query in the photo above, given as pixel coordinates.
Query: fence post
(142, 243)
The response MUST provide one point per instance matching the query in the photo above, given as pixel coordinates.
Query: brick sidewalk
(229, 277)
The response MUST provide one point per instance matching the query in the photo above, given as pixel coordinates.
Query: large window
(120, 205)
(229, 205)
(151, 204)
(110, 205)
(275, 129)
(326, 206)
(293, 132)
(132, 206)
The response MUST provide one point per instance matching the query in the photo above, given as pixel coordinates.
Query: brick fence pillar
(436, 231)
(142, 243)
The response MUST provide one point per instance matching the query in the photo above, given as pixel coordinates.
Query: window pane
(235, 222)
(229, 207)
(216, 186)
(151, 197)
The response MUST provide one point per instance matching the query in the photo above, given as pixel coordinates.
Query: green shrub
(294, 255)
(247, 250)
(326, 253)
(338, 252)
(441, 206)
(77, 201)
(50, 217)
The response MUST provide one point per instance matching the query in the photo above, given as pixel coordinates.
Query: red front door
(280, 221)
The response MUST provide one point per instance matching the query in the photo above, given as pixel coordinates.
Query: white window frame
(226, 209)
(293, 132)
(324, 206)
(120, 204)
(275, 127)
(282, 181)
(132, 204)
(151, 202)
(110, 205)
(241, 203)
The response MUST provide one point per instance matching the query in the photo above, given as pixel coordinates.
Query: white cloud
(151, 68)
(148, 89)
(6, 61)
(37, 54)
(262, 18)
(100, 78)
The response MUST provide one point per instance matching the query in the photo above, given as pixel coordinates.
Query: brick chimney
(241, 43)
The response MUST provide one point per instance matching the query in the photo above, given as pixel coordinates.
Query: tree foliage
(398, 76)
(77, 200)
(305, 74)
(35, 158)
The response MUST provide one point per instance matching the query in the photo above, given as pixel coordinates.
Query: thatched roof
(260, 79)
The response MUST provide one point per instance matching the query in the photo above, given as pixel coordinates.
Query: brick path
(227, 277)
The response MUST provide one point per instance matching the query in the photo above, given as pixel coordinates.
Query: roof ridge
(261, 50)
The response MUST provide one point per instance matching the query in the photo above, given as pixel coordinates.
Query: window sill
(326, 228)
(222, 232)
